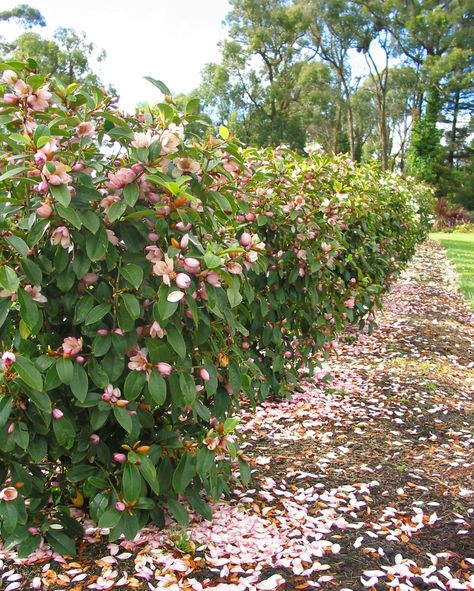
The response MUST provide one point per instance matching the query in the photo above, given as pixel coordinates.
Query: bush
(145, 282)
(449, 217)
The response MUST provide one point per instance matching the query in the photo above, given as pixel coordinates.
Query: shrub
(145, 282)
(449, 217)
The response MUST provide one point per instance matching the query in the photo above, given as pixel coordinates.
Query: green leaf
(109, 519)
(123, 418)
(184, 473)
(134, 384)
(133, 274)
(90, 220)
(80, 472)
(21, 435)
(148, 471)
(116, 210)
(79, 383)
(97, 313)
(131, 483)
(178, 511)
(159, 84)
(8, 279)
(32, 271)
(212, 261)
(61, 542)
(18, 244)
(244, 470)
(130, 194)
(5, 409)
(224, 132)
(61, 194)
(97, 244)
(234, 296)
(64, 431)
(157, 387)
(28, 546)
(28, 373)
(12, 172)
(188, 388)
(65, 370)
(198, 504)
(131, 305)
(28, 309)
(41, 401)
(175, 339)
(69, 214)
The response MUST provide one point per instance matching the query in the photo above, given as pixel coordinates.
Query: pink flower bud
(192, 265)
(44, 210)
(78, 167)
(245, 239)
(90, 278)
(181, 227)
(204, 374)
(120, 506)
(11, 428)
(183, 243)
(57, 414)
(183, 281)
(120, 458)
(245, 345)
(164, 368)
(80, 359)
(153, 236)
(94, 439)
(102, 332)
(137, 168)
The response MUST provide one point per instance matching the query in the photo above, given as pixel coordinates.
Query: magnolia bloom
(61, 236)
(22, 89)
(234, 268)
(39, 101)
(257, 244)
(164, 368)
(192, 265)
(325, 247)
(349, 303)
(8, 494)
(164, 269)
(119, 506)
(9, 77)
(245, 239)
(85, 129)
(139, 361)
(7, 359)
(34, 292)
(153, 254)
(72, 346)
(169, 142)
(204, 374)
(144, 140)
(44, 210)
(46, 152)
(57, 414)
(175, 296)
(59, 176)
(187, 165)
(157, 331)
(107, 202)
(120, 458)
(183, 281)
(111, 394)
(213, 279)
(123, 176)
(112, 238)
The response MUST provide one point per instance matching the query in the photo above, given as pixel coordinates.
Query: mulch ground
(362, 481)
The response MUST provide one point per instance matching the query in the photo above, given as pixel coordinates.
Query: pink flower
(186, 165)
(120, 458)
(245, 239)
(213, 279)
(139, 361)
(46, 152)
(44, 210)
(153, 254)
(9, 77)
(123, 176)
(57, 414)
(8, 494)
(40, 100)
(22, 90)
(183, 281)
(192, 265)
(183, 243)
(144, 140)
(7, 359)
(111, 394)
(72, 346)
(204, 374)
(156, 331)
(349, 303)
(164, 269)
(325, 247)
(107, 202)
(234, 268)
(59, 176)
(90, 278)
(61, 236)
(94, 439)
(35, 293)
(164, 368)
(119, 506)
(85, 129)
(169, 142)
(112, 238)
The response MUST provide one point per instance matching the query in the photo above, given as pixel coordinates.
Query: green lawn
(460, 249)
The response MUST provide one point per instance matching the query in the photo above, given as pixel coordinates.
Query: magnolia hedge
(147, 282)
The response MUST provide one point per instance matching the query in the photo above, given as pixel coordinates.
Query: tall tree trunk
(452, 142)
(337, 128)
(350, 119)
(383, 134)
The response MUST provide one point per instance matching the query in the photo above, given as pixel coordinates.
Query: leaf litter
(363, 481)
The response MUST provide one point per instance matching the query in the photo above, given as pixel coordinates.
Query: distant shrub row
(146, 282)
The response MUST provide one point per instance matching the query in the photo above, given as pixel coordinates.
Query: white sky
(166, 39)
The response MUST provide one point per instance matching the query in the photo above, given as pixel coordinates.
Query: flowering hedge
(146, 281)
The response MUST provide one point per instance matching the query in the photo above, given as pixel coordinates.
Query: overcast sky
(167, 39)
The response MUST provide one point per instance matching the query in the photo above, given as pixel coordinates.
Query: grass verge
(460, 249)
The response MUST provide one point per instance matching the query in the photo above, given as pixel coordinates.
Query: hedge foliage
(146, 282)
